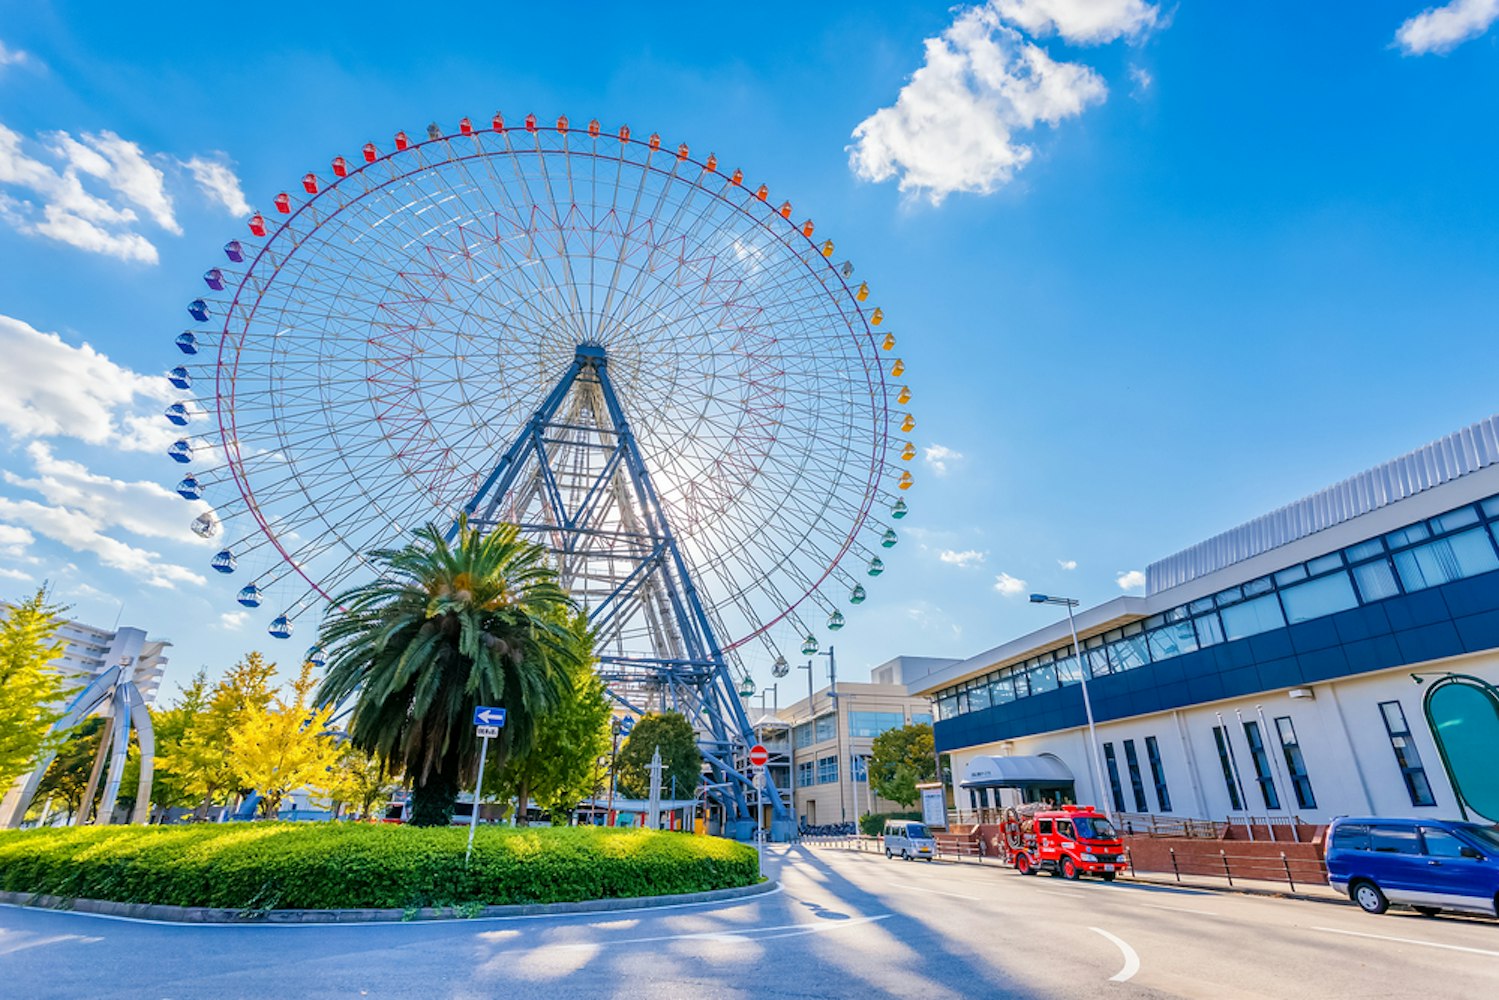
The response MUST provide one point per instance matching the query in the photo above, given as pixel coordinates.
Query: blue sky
(1156, 268)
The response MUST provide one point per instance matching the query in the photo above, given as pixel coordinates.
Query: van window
(916, 831)
(1350, 838)
(1064, 828)
(1043, 826)
(1393, 840)
(1440, 843)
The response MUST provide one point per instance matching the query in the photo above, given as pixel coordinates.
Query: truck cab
(1071, 841)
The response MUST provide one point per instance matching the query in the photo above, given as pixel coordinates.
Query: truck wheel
(1069, 869)
(1369, 898)
(1023, 864)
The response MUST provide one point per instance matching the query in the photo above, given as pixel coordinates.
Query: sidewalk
(1314, 892)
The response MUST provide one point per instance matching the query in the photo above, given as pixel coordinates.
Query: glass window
(1154, 621)
(1252, 617)
(921, 718)
(1460, 518)
(1491, 506)
(827, 770)
(801, 736)
(1226, 759)
(1325, 564)
(978, 700)
(1322, 596)
(1407, 756)
(1260, 586)
(826, 728)
(1441, 844)
(1209, 630)
(1017, 678)
(1301, 783)
(1376, 580)
(1365, 550)
(1262, 771)
(1098, 662)
(874, 723)
(1407, 536)
(1114, 786)
(1350, 837)
(962, 697)
(1043, 678)
(1136, 783)
(1001, 690)
(1068, 672)
(1157, 774)
(1291, 575)
(804, 774)
(1200, 605)
(1447, 559)
(1172, 640)
(1129, 653)
(1176, 615)
(1393, 840)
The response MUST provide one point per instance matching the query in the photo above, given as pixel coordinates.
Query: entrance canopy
(1039, 771)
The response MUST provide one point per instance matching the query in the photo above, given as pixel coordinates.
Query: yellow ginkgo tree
(283, 746)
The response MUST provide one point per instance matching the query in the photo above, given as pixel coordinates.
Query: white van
(910, 839)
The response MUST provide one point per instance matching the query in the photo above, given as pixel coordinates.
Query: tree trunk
(522, 799)
(432, 800)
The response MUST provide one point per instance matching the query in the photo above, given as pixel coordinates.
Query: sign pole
(473, 820)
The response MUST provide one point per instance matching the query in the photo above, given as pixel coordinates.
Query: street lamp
(837, 729)
(1095, 761)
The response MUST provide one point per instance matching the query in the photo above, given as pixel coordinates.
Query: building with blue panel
(1267, 671)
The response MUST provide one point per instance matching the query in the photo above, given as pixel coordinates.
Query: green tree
(899, 759)
(359, 780)
(443, 629)
(562, 767)
(67, 775)
(680, 756)
(283, 746)
(31, 688)
(171, 727)
(198, 763)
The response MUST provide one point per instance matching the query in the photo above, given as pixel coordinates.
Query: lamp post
(837, 730)
(811, 718)
(1095, 760)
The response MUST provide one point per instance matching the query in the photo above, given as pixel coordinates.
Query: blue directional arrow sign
(487, 716)
(627, 724)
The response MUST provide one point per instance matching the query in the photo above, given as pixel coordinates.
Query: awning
(1039, 771)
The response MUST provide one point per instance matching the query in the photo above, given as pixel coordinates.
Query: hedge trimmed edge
(256, 868)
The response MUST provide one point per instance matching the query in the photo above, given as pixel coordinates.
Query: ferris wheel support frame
(689, 662)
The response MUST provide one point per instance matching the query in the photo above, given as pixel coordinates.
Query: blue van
(1429, 864)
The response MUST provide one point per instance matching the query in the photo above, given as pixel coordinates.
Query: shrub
(263, 866)
(873, 824)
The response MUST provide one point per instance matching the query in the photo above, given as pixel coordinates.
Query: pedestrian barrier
(1290, 870)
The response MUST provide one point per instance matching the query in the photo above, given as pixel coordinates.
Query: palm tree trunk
(432, 800)
(522, 797)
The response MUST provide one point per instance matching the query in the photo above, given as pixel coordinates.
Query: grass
(265, 866)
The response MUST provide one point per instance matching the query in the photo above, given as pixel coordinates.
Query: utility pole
(837, 731)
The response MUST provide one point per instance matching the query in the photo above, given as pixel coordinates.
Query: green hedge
(265, 866)
(873, 824)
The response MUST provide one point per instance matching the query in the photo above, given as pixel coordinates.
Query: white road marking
(745, 934)
(1401, 940)
(1131, 960)
(922, 888)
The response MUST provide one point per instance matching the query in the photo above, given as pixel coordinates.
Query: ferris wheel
(368, 351)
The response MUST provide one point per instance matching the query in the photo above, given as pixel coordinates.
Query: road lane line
(1401, 940)
(940, 892)
(728, 934)
(1131, 960)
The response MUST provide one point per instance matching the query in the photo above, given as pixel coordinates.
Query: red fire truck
(1068, 841)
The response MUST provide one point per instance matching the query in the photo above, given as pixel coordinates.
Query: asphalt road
(842, 925)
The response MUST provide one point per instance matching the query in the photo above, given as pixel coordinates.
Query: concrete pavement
(842, 925)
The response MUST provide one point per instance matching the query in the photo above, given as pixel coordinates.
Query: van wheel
(1023, 864)
(1069, 869)
(888, 854)
(1369, 898)
(905, 855)
(1427, 911)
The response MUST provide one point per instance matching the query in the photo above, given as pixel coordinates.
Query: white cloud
(234, 619)
(1441, 29)
(930, 618)
(54, 389)
(121, 165)
(1141, 78)
(958, 123)
(78, 531)
(964, 559)
(1082, 22)
(142, 507)
(14, 574)
(13, 57)
(1130, 580)
(1008, 585)
(939, 456)
(1067, 564)
(14, 541)
(218, 181)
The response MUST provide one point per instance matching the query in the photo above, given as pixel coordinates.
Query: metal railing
(1306, 871)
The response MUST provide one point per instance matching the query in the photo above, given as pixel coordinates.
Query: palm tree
(443, 629)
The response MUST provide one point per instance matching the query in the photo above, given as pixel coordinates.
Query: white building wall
(1348, 756)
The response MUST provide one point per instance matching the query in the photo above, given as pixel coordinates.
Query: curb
(217, 915)
(1242, 890)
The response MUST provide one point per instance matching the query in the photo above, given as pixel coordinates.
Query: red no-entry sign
(759, 755)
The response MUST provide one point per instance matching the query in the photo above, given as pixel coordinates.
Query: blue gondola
(180, 378)
(198, 310)
(249, 596)
(224, 562)
(177, 415)
(317, 656)
(190, 488)
(281, 627)
(181, 451)
(187, 343)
